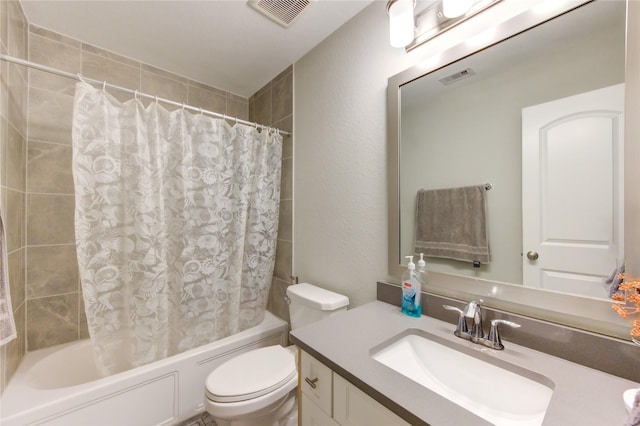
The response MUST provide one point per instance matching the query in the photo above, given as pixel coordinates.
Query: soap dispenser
(422, 270)
(411, 290)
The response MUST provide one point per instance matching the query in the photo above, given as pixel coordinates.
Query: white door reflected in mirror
(572, 181)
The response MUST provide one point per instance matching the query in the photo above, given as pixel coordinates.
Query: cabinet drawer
(315, 382)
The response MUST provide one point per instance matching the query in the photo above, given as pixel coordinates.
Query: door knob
(532, 255)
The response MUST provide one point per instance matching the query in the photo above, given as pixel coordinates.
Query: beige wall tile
(4, 24)
(17, 98)
(52, 321)
(53, 36)
(15, 160)
(286, 180)
(285, 220)
(90, 49)
(277, 302)
(206, 87)
(159, 71)
(49, 168)
(15, 349)
(17, 30)
(52, 270)
(4, 88)
(283, 265)
(54, 54)
(282, 97)
(164, 87)
(50, 116)
(50, 219)
(101, 66)
(237, 108)
(207, 99)
(269, 106)
(14, 219)
(264, 89)
(4, 146)
(260, 108)
(286, 124)
(16, 277)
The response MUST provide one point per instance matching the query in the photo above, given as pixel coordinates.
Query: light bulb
(455, 8)
(401, 24)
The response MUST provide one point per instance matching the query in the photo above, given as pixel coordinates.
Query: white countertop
(581, 396)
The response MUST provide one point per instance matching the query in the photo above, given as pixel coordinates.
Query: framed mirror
(464, 122)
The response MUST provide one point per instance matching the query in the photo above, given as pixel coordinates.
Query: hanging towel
(634, 414)
(452, 223)
(7, 325)
(614, 280)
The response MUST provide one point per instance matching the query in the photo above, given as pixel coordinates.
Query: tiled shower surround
(37, 184)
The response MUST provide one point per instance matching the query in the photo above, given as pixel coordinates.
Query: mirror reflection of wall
(469, 132)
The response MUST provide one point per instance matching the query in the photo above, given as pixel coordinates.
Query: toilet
(258, 387)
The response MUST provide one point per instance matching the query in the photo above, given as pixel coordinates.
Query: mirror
(470, 132)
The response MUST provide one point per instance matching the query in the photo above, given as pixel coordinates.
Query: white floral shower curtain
(176, 221)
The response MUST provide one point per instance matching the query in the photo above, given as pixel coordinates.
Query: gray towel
(634, 415)
(7, 324)
(452, 223)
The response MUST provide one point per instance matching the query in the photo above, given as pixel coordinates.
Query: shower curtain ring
(104, 85)
(156, 98)
(81, 78)
(135, 95)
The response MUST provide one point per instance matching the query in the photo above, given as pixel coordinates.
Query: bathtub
(60, 385)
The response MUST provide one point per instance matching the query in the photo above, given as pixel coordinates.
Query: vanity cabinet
(326, 399)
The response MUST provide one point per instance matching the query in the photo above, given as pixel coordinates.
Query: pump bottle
(422, 270)
(411, 290)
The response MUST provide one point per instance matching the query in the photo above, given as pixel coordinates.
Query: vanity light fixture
(455, 8)
(401, 22)
(411, 25)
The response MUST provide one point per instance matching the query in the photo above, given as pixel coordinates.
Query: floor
(203, 419)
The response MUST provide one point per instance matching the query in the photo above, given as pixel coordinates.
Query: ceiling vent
(284, 12)
(467, 72)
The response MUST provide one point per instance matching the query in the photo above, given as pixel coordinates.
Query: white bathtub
(60, 385)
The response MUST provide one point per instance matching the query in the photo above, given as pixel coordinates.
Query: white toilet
(259, 387)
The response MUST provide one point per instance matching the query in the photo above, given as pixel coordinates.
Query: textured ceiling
(225, 44)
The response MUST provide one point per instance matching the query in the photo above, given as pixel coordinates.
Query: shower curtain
(176, 220)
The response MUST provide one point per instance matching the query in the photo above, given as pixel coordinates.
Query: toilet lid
(251, 374)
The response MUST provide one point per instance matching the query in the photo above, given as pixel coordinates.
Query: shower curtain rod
(136, 93)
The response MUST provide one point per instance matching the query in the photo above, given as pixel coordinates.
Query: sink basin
(499, 392)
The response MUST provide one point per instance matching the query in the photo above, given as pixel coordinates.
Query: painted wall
(340, 180)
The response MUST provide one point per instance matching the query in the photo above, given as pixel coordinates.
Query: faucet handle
(493, 339)
(461, 328)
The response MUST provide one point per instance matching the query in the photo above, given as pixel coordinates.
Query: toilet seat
(251, 375)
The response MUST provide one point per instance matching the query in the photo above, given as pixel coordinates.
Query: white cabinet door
(315, 381)
(351, 406)
(312, 415)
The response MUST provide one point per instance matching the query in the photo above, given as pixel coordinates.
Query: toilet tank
(309, 303)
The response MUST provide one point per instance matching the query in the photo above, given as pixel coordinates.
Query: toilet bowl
(259, 387)
(255, 388)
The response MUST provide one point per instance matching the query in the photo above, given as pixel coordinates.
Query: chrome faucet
(473, 311)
